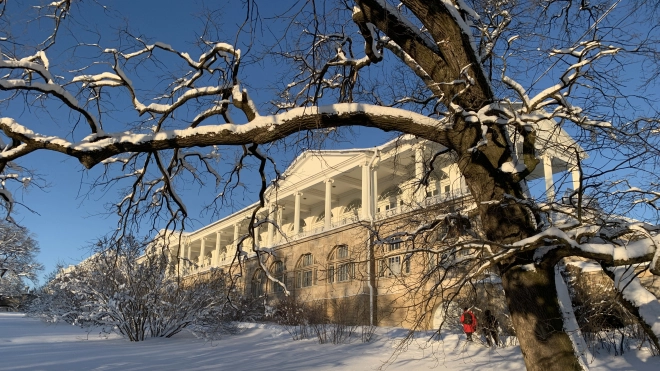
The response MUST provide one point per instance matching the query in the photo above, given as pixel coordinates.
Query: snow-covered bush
(348, 318)
(120, 289)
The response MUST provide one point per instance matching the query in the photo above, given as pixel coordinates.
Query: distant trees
(18, 253)
(120, 289)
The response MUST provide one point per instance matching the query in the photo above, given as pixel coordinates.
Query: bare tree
(474, 82)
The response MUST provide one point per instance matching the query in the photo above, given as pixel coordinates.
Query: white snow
(633, 291)
(570, 322)
(29, 344)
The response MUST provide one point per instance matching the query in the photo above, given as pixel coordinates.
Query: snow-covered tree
(471, 75)
(18, 254)
(121, 289)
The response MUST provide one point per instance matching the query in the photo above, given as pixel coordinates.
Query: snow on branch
(562, 243)
(262, 129)
(627, 282)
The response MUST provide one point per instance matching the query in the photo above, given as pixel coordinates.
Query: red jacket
(471, 327)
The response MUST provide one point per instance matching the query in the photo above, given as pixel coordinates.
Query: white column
(255, 232)
(374, 189)
(280, 217)
(575, 174)
(296, 214)
(328, 204)
(271, 227)
(549, 182)
(202, 252)
(188, 250)
(236, 229)
(218, 236)
(454, 180)
(420, 195)
(366, 185)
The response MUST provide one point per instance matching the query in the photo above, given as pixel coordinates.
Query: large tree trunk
(532, 299)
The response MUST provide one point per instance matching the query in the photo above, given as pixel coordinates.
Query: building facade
(333, 228)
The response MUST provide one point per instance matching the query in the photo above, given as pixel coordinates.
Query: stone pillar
(328, 204)
(296, 214)
(188, 250)
(420, 195)
(549, 182)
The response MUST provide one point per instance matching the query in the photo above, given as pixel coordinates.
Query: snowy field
(29, 344)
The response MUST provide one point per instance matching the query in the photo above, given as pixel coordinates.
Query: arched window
(390, 196)
(354, 206)
(302, 225)
(442, 231)
(258, 283)
(321, 216)
(279, 272)
(306, 271)
(390, 192)
(340, 266)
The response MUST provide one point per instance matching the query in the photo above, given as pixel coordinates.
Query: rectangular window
(381, 268)
(394, 265)
(306, 279)
(344, 272)
(394, 246)
(331, 274)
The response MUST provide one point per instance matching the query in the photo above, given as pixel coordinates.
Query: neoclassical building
(330, 226)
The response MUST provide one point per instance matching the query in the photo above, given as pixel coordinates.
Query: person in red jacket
(469, 322)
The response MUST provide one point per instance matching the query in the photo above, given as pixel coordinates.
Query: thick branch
(263, 129)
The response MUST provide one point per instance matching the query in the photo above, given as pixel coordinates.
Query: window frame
(340, 266)
(306, 271)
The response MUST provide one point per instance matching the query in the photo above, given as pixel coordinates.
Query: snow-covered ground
(29, 344)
